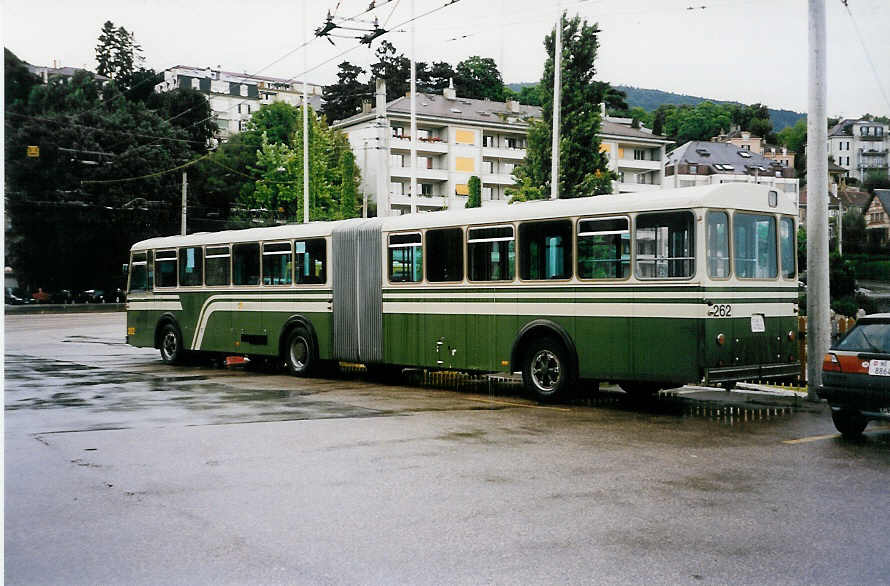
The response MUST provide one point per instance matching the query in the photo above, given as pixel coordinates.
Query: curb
(68, 308)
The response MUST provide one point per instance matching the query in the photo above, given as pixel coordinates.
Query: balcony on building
(639, 158)
(503, 146)
(430, 139)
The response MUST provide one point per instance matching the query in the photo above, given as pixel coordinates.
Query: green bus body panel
(610, 345)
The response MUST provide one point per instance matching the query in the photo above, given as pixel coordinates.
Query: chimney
(512, 106)
(449, 93)
(366, 106)
(380, 97)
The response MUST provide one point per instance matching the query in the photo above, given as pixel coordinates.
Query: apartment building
(234, 97)
(458, 138)
(860, 147)
(701, 162)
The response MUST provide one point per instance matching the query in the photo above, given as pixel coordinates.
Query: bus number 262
(720, 310)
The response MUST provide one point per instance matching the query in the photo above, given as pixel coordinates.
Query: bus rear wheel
(545, 370)
(171, 345)
(299, 353)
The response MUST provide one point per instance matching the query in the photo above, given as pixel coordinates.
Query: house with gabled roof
(877, 218)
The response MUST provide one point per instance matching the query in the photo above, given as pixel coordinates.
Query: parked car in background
(856, 375)
(10, 298)
(91, 296)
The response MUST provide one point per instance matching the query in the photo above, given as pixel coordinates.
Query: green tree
(478, 78)
(395, 68)
(118, 55)
(344, 98)
(580, 156)
(18, 80)
(854, 235)
(699, 122)
(876, 180)
(187, 109)
(475, 188)
(524, 191)
(440, 75)
(348, 185)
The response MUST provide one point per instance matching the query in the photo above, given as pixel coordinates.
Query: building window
(639, 154)
(487, 167)
(489, 141)
(244, 90)
(196, 83)
(424, 162)
(486, 193)
(398, 131)
(396, 188)
(426, 189)
(620, 176)
(396, 160)
(693, 170)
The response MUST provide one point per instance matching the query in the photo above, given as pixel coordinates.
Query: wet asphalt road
(119, 469)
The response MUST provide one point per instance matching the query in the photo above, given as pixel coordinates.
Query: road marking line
(517, 404)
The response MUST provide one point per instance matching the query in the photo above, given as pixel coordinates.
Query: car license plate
(757, 323)
(879, 367)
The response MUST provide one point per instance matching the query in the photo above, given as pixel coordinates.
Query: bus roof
(741, 196)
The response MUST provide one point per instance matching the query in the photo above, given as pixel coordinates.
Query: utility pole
(557, 106)
(184, 191)
(305, 125)
(818, 299)
(365, 174)
(413, 119)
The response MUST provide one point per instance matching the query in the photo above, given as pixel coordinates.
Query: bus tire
(170, 344)
(299, 352)
(546, 371)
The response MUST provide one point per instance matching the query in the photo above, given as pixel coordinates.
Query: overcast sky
(744, 50)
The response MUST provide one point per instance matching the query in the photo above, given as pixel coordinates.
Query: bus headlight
(721, 339)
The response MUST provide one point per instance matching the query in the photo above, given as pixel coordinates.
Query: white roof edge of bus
(741, 196)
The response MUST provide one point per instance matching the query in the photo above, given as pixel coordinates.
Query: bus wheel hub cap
(545, 370)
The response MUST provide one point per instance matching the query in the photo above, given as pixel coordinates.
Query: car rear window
(873, 337)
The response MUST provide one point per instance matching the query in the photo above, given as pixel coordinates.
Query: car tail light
(831, 363)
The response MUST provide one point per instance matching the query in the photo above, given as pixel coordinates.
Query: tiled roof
(700, 152)
(883, 196)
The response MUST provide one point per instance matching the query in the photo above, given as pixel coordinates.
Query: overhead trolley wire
(868, 58)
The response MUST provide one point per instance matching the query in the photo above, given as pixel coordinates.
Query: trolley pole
(185, 185)
(305, 126)
(818, 300)
(557, 107)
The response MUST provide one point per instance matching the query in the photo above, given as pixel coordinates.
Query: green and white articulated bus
(649, 290)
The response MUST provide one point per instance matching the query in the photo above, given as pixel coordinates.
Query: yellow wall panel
(464, 136)
(462, 189)
(620, 152)
(465, 164)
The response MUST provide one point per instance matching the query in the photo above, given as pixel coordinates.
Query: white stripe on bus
(661, 310)
(456, 294)
(154, 305)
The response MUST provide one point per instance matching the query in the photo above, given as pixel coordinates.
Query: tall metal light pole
(818, 300)
(305, 125)
(413, 119)
(557, 106)
(185, 184)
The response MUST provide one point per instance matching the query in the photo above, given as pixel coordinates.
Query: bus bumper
(728, 374)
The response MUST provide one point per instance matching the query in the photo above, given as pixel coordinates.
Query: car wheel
(299, 353)
(545, 370)
(850, 423)
(172, 351)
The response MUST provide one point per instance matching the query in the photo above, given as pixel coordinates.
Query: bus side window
(311, 261)
(665, 245)
(190, 266)
(405, 258)
(604, 248)
(789, 253)
(165, 268)
(545, 250)
(246, 264)
(138, 272)
(277, 263)
(491, 254)
(718, 245)
(150, 273)
(445, 255)
(216, 266)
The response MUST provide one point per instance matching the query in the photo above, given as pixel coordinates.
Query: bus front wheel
(171, 345)
(299, 353)
(545, 370)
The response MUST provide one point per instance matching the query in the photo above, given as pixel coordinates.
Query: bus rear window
(787, 239)
(545, 250)
(604, 249)
(718, 245)
(190, 266)
(216, 265)
(311, 261)
(246, 264)
(754, 246)
(491, 254)
(405, 258)
(165, 268)
(665, 246)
